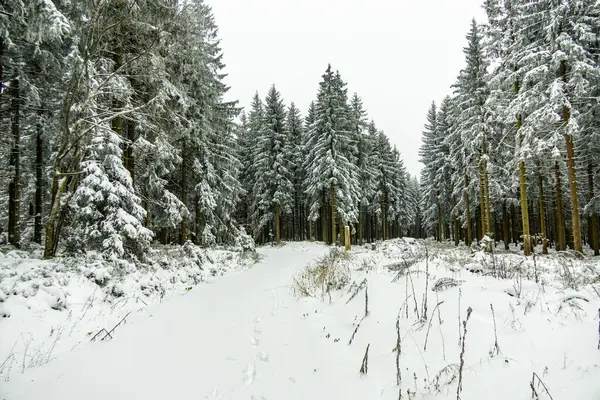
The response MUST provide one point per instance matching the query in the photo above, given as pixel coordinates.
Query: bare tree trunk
(360, 225)
(469, 238)
(333, 232)
(277, 224)
(439, 221)
(542, 215)
(575, 218)
(505, 227)
(183, 183)
(39, 182)
(324, 222)
(524, 209)
(561, 244)
(14, 187)
(523, 186)
(486, 185)
(128, 153)
(455, 226)
(482, 200)
(595, 243)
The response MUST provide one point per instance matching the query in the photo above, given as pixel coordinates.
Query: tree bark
(333, 232)
(128, 153)
(482, 200)
(469, 238)
(595, 242)
(505, 227)
(561, 244)
(183, 183)
(277, 224)
(455, 226)
(524, 209)
(39, 182)
(324, 222)
(486, 185)
(360, 225)
(439, 221)
(575, 217)
(542, 215)
(14, 187)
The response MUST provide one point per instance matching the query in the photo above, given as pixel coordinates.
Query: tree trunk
(561, 244)
(439, 221)
(482, 200)
(39, 182)
(277, 224)
(128, 153)
(595, 243)
(14, 187)
(486, 185)
(505, 227)
(360, 225)
(575, 218)
(542, 216)
(183, 183)
(455, 227)
(324, 222)
(523, 186)
(524, 209)
(469, 237)
(333, 232)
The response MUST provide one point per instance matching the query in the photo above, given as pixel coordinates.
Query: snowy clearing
(253, 335)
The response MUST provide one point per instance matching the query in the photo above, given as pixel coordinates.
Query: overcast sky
(398, 55)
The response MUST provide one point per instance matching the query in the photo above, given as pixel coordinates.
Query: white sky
(398, 55)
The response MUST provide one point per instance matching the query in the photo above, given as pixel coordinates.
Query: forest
(118, 135)
(514, 153)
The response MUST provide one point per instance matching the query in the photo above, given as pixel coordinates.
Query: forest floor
(281, 328)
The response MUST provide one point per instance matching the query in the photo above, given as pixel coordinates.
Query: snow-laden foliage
(513, 154)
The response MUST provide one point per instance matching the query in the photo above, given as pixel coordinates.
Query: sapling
(462, 354)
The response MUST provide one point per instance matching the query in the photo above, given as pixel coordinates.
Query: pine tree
(273, 188)
(329, 167)
(295, 132)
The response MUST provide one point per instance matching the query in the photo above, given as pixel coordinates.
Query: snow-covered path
(222, 340)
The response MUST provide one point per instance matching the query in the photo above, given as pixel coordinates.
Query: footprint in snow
(254, 341)
(215, 395)
(263, 356)
(249, 374)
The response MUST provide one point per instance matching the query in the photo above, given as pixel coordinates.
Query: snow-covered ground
(281, 331)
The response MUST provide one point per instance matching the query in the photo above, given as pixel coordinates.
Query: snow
(249, 334)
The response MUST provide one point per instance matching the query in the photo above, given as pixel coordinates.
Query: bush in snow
(330, 272)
